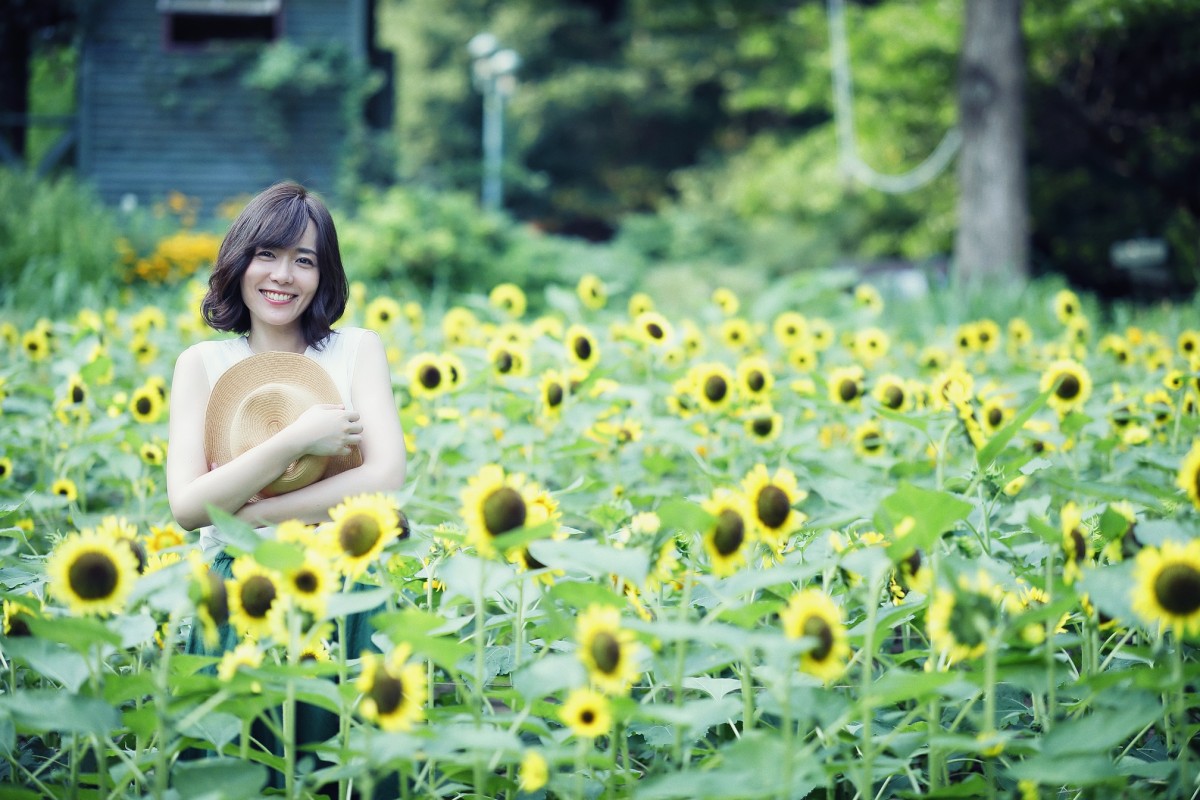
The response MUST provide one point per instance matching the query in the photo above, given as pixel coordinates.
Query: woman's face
(280, 283)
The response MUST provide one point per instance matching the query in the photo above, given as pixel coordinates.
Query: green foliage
(57, 242)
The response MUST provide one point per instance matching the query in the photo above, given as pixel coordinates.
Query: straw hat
(259, 396)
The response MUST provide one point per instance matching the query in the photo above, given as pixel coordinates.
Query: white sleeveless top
(337, 357)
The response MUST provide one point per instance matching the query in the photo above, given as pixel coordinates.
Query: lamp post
(493, 72)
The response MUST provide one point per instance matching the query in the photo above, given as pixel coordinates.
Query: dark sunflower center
(762, 426)
(503, 510)
(143, 405)
(530, 561)
(587, 716)
(730, 532)
(1069, 388)
(554, 395)
(504, 361)
(258, 595)
(77, 394)
(872, 442)
(847, 390)
(1077, 545)
(819, 629)
(18, 625)
(387, 692)
(773, 506)
(217, 599)
(139, 553)
(973, 614)
(430, 376)
(984, 337)
(756, 381)
(994, 416)
(358, 534)
(1177, 589)
(715, 388)
(3, 469)
(93, 576)
(384, 316)
(306, 581)
(582, 348)
(606, 651)
(912, 564)
(655, 331)
(893, 397)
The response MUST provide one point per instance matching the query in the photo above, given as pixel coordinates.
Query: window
(188, 24)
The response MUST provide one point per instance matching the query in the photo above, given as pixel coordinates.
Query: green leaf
(549, 674)
(677, 514)
(987, 454)
(343, 604)
(217, 728)
(53, 710)
(580, 595)
(1080, 769)
(896, 685)
(81, 633)
(238, 535)
(933, 513)
(53, 660)
(232, 778)
(279, 556)
(415, 627)
(8, 734)
(1103, 728)
(593, 559)
(521, 537)
(920, 423)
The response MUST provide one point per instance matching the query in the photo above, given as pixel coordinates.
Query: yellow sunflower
(728, 538)
(587, 713)
(813, 614)
(309, 585)
(146, 404)
(6, 468)
(802, 358)
(763, 423)
(868, 297)
(1071, 382)
(255, 605)
(771, 498)
(994, 415)
(17, 614)
(1167, 586)
(65, 487)
(869, 439)
(210, 597)
(987, 333)
(381, 313)
(36, 344)
(608, 651)
(592, 292)
(692, 338)
(1066, 305)
(508, 359)
(737, 333)
(533, 773)
(91, 573)
(394, 691)
(870, 345)
(509, 298)
(726, 300)
(1189, 474)
(932, 357)
(427, 375)
(459, 325)
(820, 333)
(891, 391)
(553, 389)
(846, 385)
(951, 386)
(713, 385)
(961, 619)
(1076, 542)
(456, 371)
(652, 328)
(790, 329)
(755, 377)
(151, 454)
(246, 654)
(495, 503)
(581, 346)
(361, 527)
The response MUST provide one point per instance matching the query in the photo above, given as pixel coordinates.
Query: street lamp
(493, 71)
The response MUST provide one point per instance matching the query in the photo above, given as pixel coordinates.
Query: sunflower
(77, 390)
(813, 614)
(1189, 474)
(592, 292)
(651, 327)
(426, 375)
(6, 468)
(891, 392)
(255, 606)
(712, 385)
(820, 333)
(932, 357)
(870, 345)
(553, 389)
(495, 503)
(361, 527)
(639, 303)
(394, 692)
(736, 333)
(1066, 305)
(509, 298)
(144, 350)
(728, 537)
(65, 487)
(246, 654)
(92, 573)
(309, 585)
(846, 385)
(1077, 542)
(587, 713)
(507, 358)
(36, 344)
(1167, 586)
(763, 423)
(692, 338)
(1019, 333)
(755, 378)
(772, 498)
(18, 613)
(993, 415)
(146, 404)
(869, 440)
(459, 325)
(802, 358)
(607, 650)
(1160, 406)
(381, 313)
(1117, 347)
(962, 619)
(455, 371)
(533, 773)
(987, 333)
(1071, 383)
(151, 454)
(790, 329)
(581, 346)
(950, 386)
(868, 297)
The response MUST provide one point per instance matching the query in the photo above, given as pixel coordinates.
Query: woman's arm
(383, 451)
(192, 486)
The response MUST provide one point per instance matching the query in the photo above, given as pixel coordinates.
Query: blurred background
(465, 142)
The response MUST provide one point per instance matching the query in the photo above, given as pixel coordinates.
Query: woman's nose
(282, 272)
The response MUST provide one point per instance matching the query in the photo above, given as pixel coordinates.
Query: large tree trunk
(993, 226)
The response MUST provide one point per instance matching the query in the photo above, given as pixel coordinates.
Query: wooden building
(220, 98)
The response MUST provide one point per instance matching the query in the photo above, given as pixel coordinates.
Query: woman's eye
(264, 254)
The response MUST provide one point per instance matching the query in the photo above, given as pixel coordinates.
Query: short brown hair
(277, 217)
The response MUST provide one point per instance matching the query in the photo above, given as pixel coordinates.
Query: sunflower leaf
(987, 454)
(683, 515)
(55, 710)
(932, 513)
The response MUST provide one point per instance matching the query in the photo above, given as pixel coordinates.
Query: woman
(279, 282)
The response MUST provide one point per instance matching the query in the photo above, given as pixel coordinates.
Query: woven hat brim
(254, 373)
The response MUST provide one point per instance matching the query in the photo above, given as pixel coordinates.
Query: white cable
(843, 112)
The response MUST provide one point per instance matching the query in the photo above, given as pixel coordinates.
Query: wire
(843, 112)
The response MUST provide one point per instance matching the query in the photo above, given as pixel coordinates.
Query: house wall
(152, 120)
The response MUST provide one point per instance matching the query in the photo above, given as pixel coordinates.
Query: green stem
(866, 709)
(162, 691)
(680, 659)
(289, 706)
(989, 706)
(785, 790)
(1180, 718)
(480, 647)
(1048, 653)
(344, 711)
(747, 695)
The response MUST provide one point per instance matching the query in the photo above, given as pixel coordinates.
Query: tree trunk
(992, 242)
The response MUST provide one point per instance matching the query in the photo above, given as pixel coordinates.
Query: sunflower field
(820, 542)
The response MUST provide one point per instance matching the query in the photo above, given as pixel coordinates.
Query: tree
(992, 241)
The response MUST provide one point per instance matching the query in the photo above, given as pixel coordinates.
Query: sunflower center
(973, 614)
(387, 692)
(654, 331)
(582, 348)
(504, 361)
(306, 581)
(1177, 588)
(715, 388)
(93, 576)
(430, 376)
(819, 629)
(216, 602)
(872, 441)
(730, 532)
(1069, 388)
(893, 397)
(358, 534)
(762, 426)
(77, 394)
(606, 652)
(773, 506)
(587, 716)
(258, 595)
(143, 405)
(503, 510)
(554, 395)
(847, 390)
(756, 381)
(1076, 545)
(994, 417)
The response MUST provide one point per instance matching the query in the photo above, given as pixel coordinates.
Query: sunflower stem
(866, 709)
(162, 700)
(747, 695)
(343, 712)
(1048, 653)
(989, 706)
(289, 706)
(680, 658)
(480, 644)
(785, 791)
(1180, 718)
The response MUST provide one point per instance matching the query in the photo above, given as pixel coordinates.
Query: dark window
(195, 23)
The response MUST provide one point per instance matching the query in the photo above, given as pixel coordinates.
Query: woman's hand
(327, 430)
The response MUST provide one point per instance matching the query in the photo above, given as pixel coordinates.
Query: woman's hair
(277, 218)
